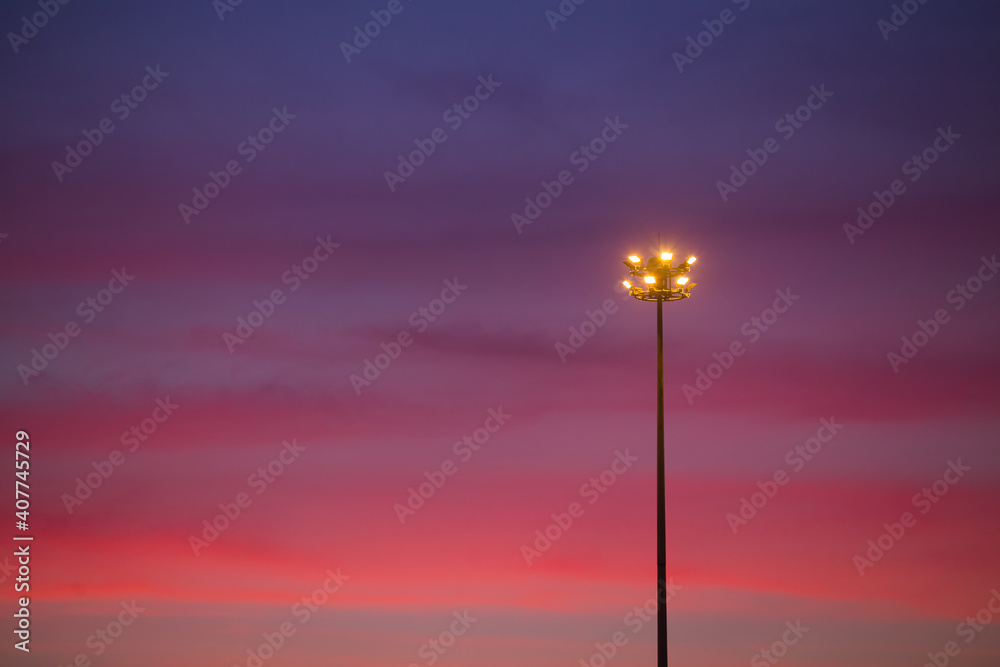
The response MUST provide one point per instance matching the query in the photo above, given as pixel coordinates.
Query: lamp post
(659, 280)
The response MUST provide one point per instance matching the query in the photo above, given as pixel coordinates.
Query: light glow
(627, 284)
(682, 280)
(635, 259)
(692, 259)
(650, 279)
(666, 256)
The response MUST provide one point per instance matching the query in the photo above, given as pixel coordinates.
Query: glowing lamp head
(692, 259)
(635, 259)
(682, 280)
(650, 279)
(666, 256)
(627, 284)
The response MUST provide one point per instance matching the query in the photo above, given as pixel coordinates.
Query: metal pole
(661, 522)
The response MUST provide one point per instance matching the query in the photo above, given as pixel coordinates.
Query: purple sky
(483, 301)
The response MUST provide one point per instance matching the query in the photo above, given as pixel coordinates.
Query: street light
(661, 281)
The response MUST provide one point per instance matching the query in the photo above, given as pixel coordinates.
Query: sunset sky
(300, 275)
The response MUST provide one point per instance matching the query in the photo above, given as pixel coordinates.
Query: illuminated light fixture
(659, 279)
